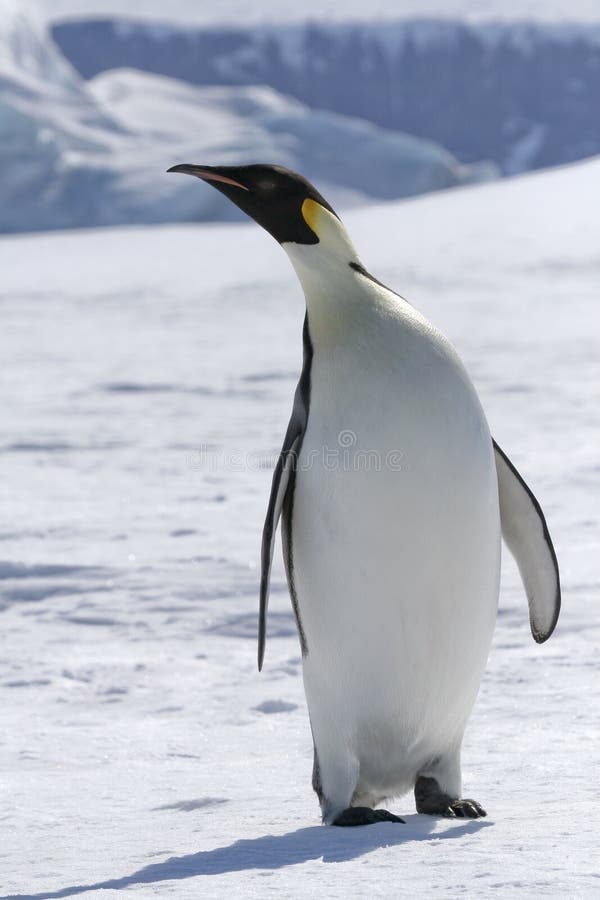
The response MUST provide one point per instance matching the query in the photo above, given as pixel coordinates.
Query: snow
(147, 380)
(525, 150)
(174, 120)
(77, 154)
(519, 94)
(235, 12)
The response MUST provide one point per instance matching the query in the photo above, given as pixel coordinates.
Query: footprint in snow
(191, 805)
(275, 706)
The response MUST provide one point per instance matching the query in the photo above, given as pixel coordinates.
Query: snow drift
(523, 94)
(82, 154)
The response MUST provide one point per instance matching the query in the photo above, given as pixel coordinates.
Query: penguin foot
(364, 815)
(464, 809)
(432, 801)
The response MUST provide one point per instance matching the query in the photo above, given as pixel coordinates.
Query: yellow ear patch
(311, 212)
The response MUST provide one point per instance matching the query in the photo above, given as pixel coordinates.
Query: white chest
(395, 531)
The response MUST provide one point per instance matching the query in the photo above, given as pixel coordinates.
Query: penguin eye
(267, 185)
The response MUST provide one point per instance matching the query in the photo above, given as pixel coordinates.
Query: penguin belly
(394, 538)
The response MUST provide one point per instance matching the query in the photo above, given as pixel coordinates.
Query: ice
(140, 749)
(236, 11)
(521, 95)
(74, 154)
(256, 123)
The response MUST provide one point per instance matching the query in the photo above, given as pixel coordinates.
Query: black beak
(207, 173)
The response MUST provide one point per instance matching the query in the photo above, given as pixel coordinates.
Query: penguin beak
(207, 173)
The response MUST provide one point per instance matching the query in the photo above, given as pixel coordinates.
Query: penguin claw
(435, 802)
(465, 809)
(364, 815)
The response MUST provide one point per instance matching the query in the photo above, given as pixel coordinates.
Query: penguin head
(281, 201)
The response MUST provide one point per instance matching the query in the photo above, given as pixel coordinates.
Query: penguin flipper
(526, 534)
(282, 479)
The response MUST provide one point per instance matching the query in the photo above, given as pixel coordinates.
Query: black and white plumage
(393, 551)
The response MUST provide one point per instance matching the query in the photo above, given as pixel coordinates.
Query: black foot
(432, 801)
(364, 815)
(464, 809)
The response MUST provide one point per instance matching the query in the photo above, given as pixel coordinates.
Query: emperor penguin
(393, 498)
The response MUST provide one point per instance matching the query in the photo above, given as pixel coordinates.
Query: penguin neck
(336, 296)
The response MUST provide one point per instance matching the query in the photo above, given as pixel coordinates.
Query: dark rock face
(523, 95)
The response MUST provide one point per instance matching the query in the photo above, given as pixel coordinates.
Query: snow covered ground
(147, 381)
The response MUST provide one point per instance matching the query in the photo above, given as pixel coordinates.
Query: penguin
(393, 499)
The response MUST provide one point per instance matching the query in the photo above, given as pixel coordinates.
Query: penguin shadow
(332, 845)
